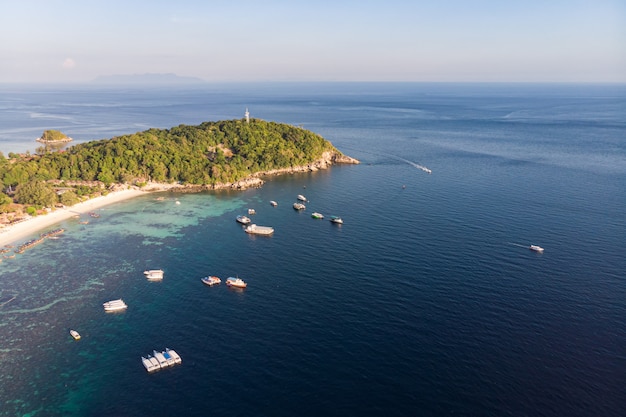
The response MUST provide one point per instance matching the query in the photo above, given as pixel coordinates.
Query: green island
(53, 136)
(232, 154)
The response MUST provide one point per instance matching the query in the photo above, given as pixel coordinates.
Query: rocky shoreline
(256, 180)
(64, 140)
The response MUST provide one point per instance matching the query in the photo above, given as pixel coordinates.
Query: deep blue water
(426, 301)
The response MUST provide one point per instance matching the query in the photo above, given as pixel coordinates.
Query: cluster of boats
(253, 228)
(234, 282)
(333, 219)
(161, 360)
(298, 205)
(266, 230)
(158, 360)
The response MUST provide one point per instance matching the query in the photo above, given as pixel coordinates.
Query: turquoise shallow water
(426, 301)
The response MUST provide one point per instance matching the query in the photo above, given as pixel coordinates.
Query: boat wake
(413, 164)
(517, 244)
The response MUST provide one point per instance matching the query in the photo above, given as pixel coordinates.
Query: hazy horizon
(201, 82)
(247, 41)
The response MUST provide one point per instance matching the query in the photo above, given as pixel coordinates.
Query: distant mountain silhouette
(146, 79)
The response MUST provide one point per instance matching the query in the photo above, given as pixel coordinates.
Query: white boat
(211, 280)
(259, 230)
(160, 360)
(317, 215)
(243, 219)
(301, 197)
(150, 363)
(336, 219)
(236, 282)
(273, 203)
(114, 305)
(75, 334)
(251, 211)
(536, 248)
(299, 206)
(154, 274)
(172, 356)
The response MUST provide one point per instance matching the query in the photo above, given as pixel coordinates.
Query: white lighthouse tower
(247, 114)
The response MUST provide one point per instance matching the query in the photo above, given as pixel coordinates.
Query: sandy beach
(19, 231)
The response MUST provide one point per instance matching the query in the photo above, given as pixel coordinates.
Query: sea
(426, 301)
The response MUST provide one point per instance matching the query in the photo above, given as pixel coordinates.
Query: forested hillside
(208, 154)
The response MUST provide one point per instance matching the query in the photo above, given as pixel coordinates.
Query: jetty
(52, 233)
(28, 245)
(33, 242)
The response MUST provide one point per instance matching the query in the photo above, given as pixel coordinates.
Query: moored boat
(259, 230)
(243, 219)
(251, 211)
(150, 363)
(336, 219)
(75, 334)
(301, 197)
(172, 356)
(160, 360)
(536, 248)
(154, 274)
(236, 282)
(317, 215)
(299, 206)
(114, 305)
(273, 203)
(211, 280)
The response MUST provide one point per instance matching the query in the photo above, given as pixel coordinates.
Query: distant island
(230, 154)
(53, 136)
(147, 79)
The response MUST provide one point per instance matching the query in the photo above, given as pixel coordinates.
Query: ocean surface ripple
(426, 301)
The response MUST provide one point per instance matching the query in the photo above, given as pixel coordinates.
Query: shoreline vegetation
(104, 191)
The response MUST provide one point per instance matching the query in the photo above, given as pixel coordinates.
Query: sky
(66, 41)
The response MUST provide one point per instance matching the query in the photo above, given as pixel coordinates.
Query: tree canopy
(208, 154)
(53, 136)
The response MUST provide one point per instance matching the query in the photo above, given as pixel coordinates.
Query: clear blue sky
(317, 40)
